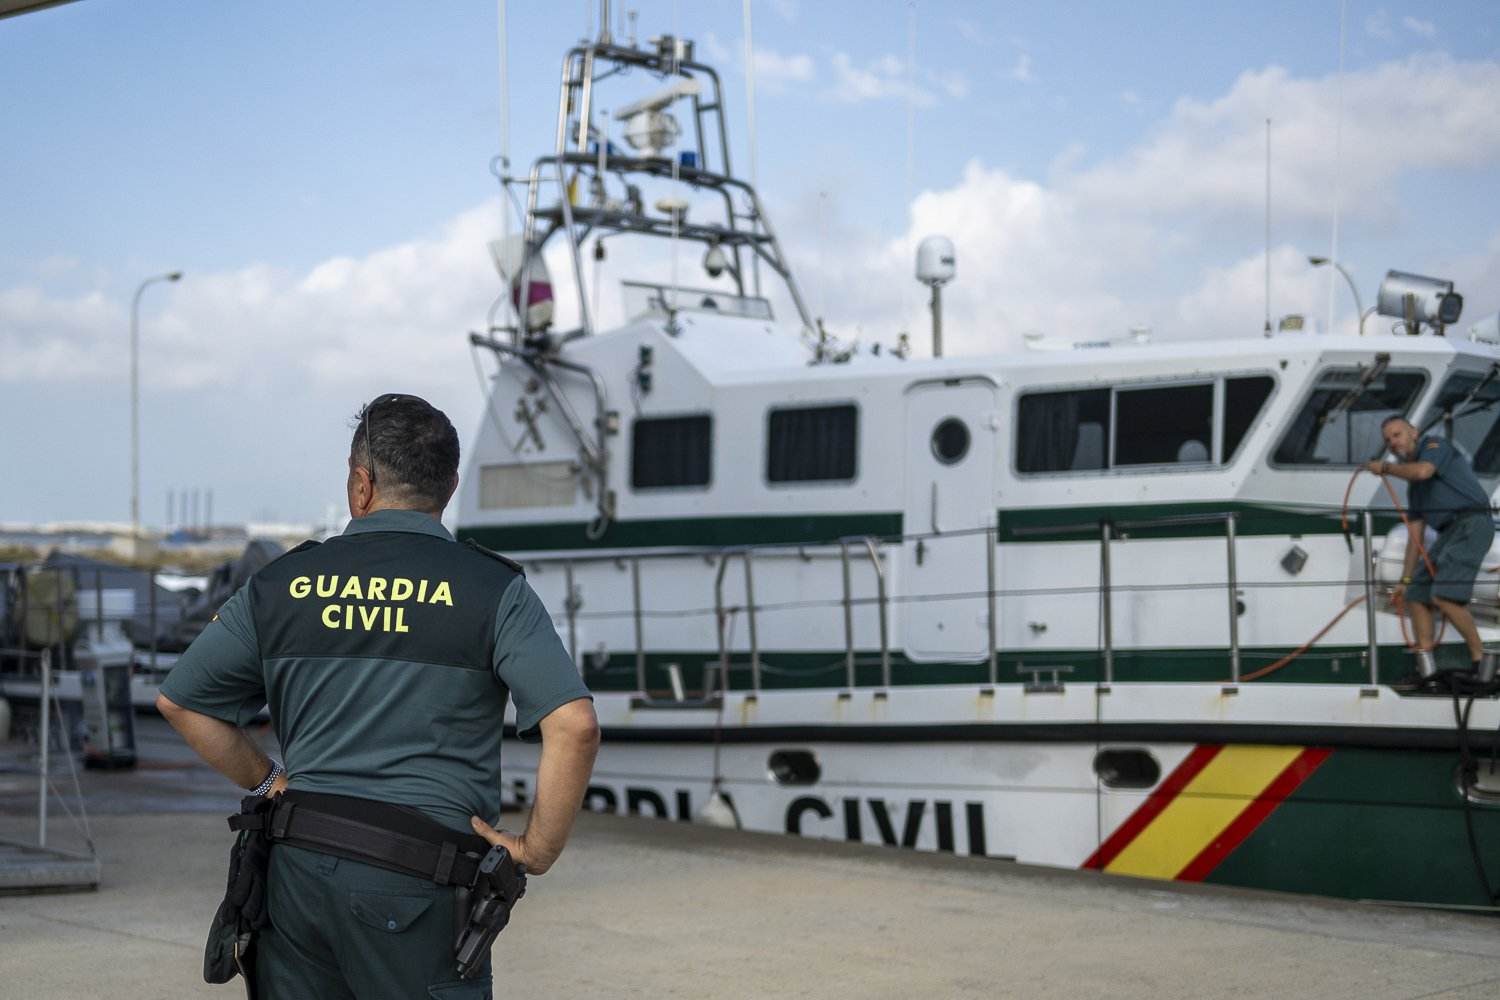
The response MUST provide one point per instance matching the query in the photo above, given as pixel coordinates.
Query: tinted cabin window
(671, 451)
(1244, 398)
(1475, 408)
(1063, 431)
(1340, 422)
(1165, 425)
(813, 444)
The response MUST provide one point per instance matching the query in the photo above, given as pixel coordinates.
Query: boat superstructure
(1048, 606)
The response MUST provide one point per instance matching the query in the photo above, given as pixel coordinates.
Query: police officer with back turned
(386, 655)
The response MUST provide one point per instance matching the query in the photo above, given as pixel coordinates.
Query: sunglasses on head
(381, 400)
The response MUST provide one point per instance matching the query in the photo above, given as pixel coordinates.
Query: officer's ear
(452, 489)
(361, 490)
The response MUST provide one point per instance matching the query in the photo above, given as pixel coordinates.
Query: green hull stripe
(1372, 824)
(798, 529)
(1028, 524)
(1052, 524)
(794, 669)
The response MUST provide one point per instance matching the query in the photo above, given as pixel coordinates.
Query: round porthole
(794, 767)
(950, 441)
(1127, 768)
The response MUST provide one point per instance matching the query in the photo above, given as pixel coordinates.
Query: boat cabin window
(1064, 431)
(1244, 398)
(527, 484)
(1340, 422)
(1162, 426)
(1474, 403)
(815, 444)
(671, 452)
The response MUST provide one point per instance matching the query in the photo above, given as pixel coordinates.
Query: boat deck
(647, 908)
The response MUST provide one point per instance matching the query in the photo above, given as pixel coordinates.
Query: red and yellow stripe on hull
(1204, 810)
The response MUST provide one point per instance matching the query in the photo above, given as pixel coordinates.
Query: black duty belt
(377, 833)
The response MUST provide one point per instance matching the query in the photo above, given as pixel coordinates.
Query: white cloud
(1378, 25)
(717, 51)
(1149, 238)
(1089, 252)
(1021, 71)
(1130, 98)
(786, 9)
(952, 83)
(970, 31)
(774, 71)
(1425, 29)
(1426, 112)
(884, 78)
(773, 68)
(399, 309)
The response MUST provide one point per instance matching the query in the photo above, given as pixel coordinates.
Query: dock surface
(651, 908)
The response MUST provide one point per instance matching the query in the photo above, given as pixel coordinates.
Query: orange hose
(1400, 605)
(1288, 658)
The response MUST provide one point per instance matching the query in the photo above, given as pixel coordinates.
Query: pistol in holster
(484, 909)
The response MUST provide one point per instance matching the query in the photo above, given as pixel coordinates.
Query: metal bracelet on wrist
(265, 786)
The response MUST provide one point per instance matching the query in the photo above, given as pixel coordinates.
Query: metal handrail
(640, 641)
(1106, 602)
(849, 676)
(719, 616)
(874, 547)
(885, 645)
(1230, 521)
(1368, 521)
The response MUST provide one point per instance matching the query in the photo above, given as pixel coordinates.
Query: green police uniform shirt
(386, 655)
(1452, 491)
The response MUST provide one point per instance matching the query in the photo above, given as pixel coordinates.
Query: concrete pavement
(650, 908)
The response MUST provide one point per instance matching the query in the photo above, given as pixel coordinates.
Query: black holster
(487, 883)
(499, 884)
(230, 950)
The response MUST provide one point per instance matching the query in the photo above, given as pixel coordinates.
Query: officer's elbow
(1425, 470)
(169, 709)
(575, 723)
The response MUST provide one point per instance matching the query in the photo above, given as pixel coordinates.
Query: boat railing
(855, 549)
(74, 610)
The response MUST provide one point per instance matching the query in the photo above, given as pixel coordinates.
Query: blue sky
(320, 171)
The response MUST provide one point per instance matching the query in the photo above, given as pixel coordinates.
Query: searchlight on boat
(1416, 300)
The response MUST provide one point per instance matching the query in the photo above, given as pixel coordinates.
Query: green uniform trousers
(343, 930)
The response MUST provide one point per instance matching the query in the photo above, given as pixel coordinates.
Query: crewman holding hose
(1443, 492)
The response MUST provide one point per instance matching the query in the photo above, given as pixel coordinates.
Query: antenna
(911, 104)
(1268, 227)
(1338, 146)
(504, 122)
(750, 130)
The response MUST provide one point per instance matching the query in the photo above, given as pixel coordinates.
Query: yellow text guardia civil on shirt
(391, 617)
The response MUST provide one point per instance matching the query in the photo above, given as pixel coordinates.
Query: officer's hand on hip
(513, 843)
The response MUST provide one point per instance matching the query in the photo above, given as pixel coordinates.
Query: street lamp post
(135, 402)
(1358, 306)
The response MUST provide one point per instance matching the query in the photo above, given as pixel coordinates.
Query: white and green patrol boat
(1049, 606)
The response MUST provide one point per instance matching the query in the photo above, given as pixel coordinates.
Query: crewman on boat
(387, 655)
(1442, 493)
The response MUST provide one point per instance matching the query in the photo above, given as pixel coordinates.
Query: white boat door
(951, 437)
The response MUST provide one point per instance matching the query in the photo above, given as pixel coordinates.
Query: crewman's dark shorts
(1458, 554)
